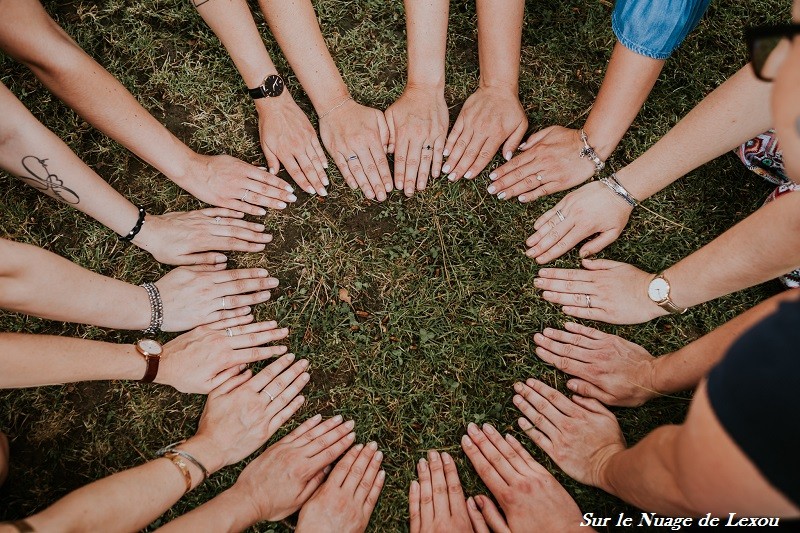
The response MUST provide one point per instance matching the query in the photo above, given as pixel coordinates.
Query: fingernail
(316, 417)
(446, 459)
(292, 198)
(325, 165)
(491, 189)
(468, 175)
(521, 198)
(325, 181)
(288, 188)
(479, 503)
(359, 447)
(472, 428)
(446, 168)
(350, 424)
(489, 429)
(414, 485)
(241, 368)
(327, 469)
(382, 475)
(381, 196)
(311, 190)
(507, 155)
(571, 386)
(466, 441)
(493, 176)
(502, 195)
(388, 187)
(220, 259)
(378, 456)
(262, 212)
(433, 456)
(518, 386)
(517, 399)
(272, 171)
(372, 445)
(452, 177)
(523, 144)
(423, 463)
(537, 281)
(471, 504)
(445, 152)
(289, 356)
(323, 192)
(350, 436)
(282, 205)
(354, 186)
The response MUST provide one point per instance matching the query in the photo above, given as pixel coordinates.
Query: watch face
(658, 291)
(150, 346)
(273, 85)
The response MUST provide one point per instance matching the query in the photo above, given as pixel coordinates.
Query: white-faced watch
(658, 291)
(151, 350)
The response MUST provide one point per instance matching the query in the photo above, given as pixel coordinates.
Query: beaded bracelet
(128, 237)
(616, 187)
(156, 308)
(588, 151)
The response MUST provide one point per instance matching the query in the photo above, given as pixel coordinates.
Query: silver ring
(271, 397)
(216, 220)
(352, 157)
(560, 215)
(245, 194)
(588, 300)
(539, 177)
(229, 332)
(223, 303)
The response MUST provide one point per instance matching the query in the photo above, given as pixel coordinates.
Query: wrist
(500, 85)
(603, 144)
(181, 165)
(625, 177)
(206, 452)
(239, 506)
(605, 472)
(432, 86)
(266, 106)
(323, 106)
(135, 364)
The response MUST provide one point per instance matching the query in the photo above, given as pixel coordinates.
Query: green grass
(443, 307)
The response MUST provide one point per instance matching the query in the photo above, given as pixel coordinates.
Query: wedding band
(560, 215)
(223, 303)
(539, 177)
(245, 194)
(229, 332)
(352, 157)
(271, 397)
(216, 220)
(428, 147)
(588, 300)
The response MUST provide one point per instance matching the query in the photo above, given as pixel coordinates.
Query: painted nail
(311, 190)
(272, 171)
(288, 188)
(468, 175)
(521, 198)
(491, 189)
(507, 155)
(289, 357)
(220, 258)
(262, 212)
(452, 177)
(471, 504)
(281, 205)
(292, 198)
(502, 195)
(446, 169)
(445, 152)
(323, 192)
(493, 176)
(325, 181)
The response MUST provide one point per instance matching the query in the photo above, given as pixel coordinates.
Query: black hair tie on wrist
(137, 228)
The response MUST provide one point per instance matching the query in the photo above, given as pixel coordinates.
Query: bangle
(156, 308)
(177, 460)
(588, 151)
(334, 108)
(616, 187)
(171, 449)
(128, 237)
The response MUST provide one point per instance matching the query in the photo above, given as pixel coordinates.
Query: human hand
(344, 503)
(608, 291)
(286, 475)
(607, 367)
(590, 210)
(549, 161)
(357, 136)
(531, 498)
(417, 129)
(187, 238)
(225, 181)
(207, 294)
(489, 118)
(580, 435)
(288, 137)
(203, 359)
(245, 411)
(436, 503)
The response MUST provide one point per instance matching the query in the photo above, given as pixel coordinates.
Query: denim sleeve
(655, 28)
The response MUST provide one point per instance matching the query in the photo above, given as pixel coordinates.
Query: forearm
(761, 247)
(42, 160)
(736, 111)
(426, 26)
(644, 475)
(66, 292)
(683, 369)
(81, 83)
(128, 500)
(499, 42)
(628, 81)
(228, 512)
(38, 360)
(294, 25)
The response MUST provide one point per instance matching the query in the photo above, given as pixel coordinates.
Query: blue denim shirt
(655, 28)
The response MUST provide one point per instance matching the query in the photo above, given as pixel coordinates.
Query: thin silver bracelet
(616, 187)
(334, 108)
(588, 151)
(156, 308)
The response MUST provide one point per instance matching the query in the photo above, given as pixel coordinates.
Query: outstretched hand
(436, 502)
(490, 118)
(208, 294)
(549, 161)
(188, 238)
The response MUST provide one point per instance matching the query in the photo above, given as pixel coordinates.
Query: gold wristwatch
(658, 291)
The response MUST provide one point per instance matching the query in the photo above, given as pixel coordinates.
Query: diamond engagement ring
(245, 194)
(588, 300)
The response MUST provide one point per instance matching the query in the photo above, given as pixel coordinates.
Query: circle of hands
(245, 409)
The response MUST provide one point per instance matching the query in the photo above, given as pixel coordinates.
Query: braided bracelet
(616, 187)
(156, 308)
(588, 151)
(128, 237)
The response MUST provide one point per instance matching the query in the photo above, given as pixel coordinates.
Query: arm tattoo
(198, 3)
(42, 179)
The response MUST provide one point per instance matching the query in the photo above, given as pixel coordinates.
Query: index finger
(454, 491)
(441, 502)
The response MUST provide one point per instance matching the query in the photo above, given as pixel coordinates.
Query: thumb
(512, 144)
(597, 244)
(272, 160)
(390, 124)
(600, 264)
(491, 514)
(535, 138)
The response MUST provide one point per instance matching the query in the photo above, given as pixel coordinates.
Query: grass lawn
(443, 306)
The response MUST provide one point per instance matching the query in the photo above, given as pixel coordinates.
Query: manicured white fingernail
(521, 198)
(325, 165)
(323, 192)
(354, 186)
(468, 175)
(282, 205)
(502, 195)
(262, 212)
(523, 144)
(288, 188)
(508, 155)
(292, 198)
(272, 171)
(311, 190)
(446, 169)
(491, 189)
(325, 181)
(452, 177)
(493, 176)
(445, 152)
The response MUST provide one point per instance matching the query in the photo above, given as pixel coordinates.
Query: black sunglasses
(762, 41)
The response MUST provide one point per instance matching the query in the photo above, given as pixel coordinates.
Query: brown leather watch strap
(152, 368)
